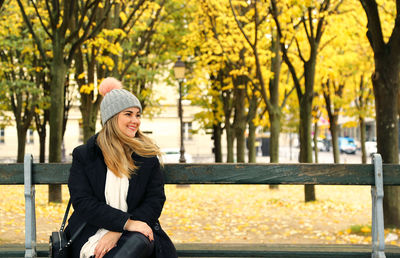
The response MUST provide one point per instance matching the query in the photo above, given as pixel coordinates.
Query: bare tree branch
(150, 32)
(216, 36)
(240, 25)
(79, 26)
(311, 36)
(30, 27)
(321, 21)
(286, 97)
(135, 9)
(86, 35)
(374, 33)
(296, 81)
(303, 21)
(49, 11)
(299, 51)
(327, 43)
(40, 19)
(336, 8)
(256, 23)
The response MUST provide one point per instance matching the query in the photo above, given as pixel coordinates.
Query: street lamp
(179, 71)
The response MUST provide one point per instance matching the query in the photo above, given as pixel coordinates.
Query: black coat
(145, 198)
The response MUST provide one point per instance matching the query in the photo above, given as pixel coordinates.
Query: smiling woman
(116, 185)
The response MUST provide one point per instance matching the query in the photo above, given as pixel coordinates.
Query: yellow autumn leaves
(227, 214)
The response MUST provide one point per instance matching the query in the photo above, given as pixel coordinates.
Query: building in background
(163, 127)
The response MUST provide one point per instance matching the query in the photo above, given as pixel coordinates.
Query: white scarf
(116, 191)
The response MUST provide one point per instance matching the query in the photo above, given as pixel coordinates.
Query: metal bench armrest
(378, 233)
(30, 214)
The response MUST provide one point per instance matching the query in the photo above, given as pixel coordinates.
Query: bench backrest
(318, 174)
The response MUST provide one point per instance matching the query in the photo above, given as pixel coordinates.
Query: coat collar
(94, 148)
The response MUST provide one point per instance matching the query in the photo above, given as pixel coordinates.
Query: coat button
(156, 227)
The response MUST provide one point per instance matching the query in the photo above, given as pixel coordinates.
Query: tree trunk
(305, 133)
(230, 138)
(305, 142)
(42, 147)
(58, 73)
(333, 119)
(240, 124)
(334, 129)
(89, 107)
(39, 123)
(362, 134)
(315, 140)
(251, 142)
(240, 145)
(275, 121)
(88, 125)
(398, 104)
(21, 132)
(275, 111)
(42, 130)
(217, 125)
(309, 193)
(385, 82)
(217, 133)
(23, 113)
(89, 111)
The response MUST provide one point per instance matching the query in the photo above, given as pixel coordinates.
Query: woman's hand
(139, 226)
(106, 243)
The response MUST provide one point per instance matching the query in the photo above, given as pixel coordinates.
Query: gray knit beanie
(115, 99)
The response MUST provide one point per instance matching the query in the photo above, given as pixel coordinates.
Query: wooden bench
(293, 174)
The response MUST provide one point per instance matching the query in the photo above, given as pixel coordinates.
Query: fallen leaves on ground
(227, 213)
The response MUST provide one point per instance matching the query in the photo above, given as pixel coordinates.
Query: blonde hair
(117, 148)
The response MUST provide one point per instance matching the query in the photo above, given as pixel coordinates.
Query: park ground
(227, 213)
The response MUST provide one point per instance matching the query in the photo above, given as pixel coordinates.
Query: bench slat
(324, 174)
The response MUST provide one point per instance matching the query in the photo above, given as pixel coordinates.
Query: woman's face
(129, 121)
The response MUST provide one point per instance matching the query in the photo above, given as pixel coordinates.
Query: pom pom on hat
(115, 99)
(109, 84)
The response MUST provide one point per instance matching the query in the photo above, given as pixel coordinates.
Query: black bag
(59, 243)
